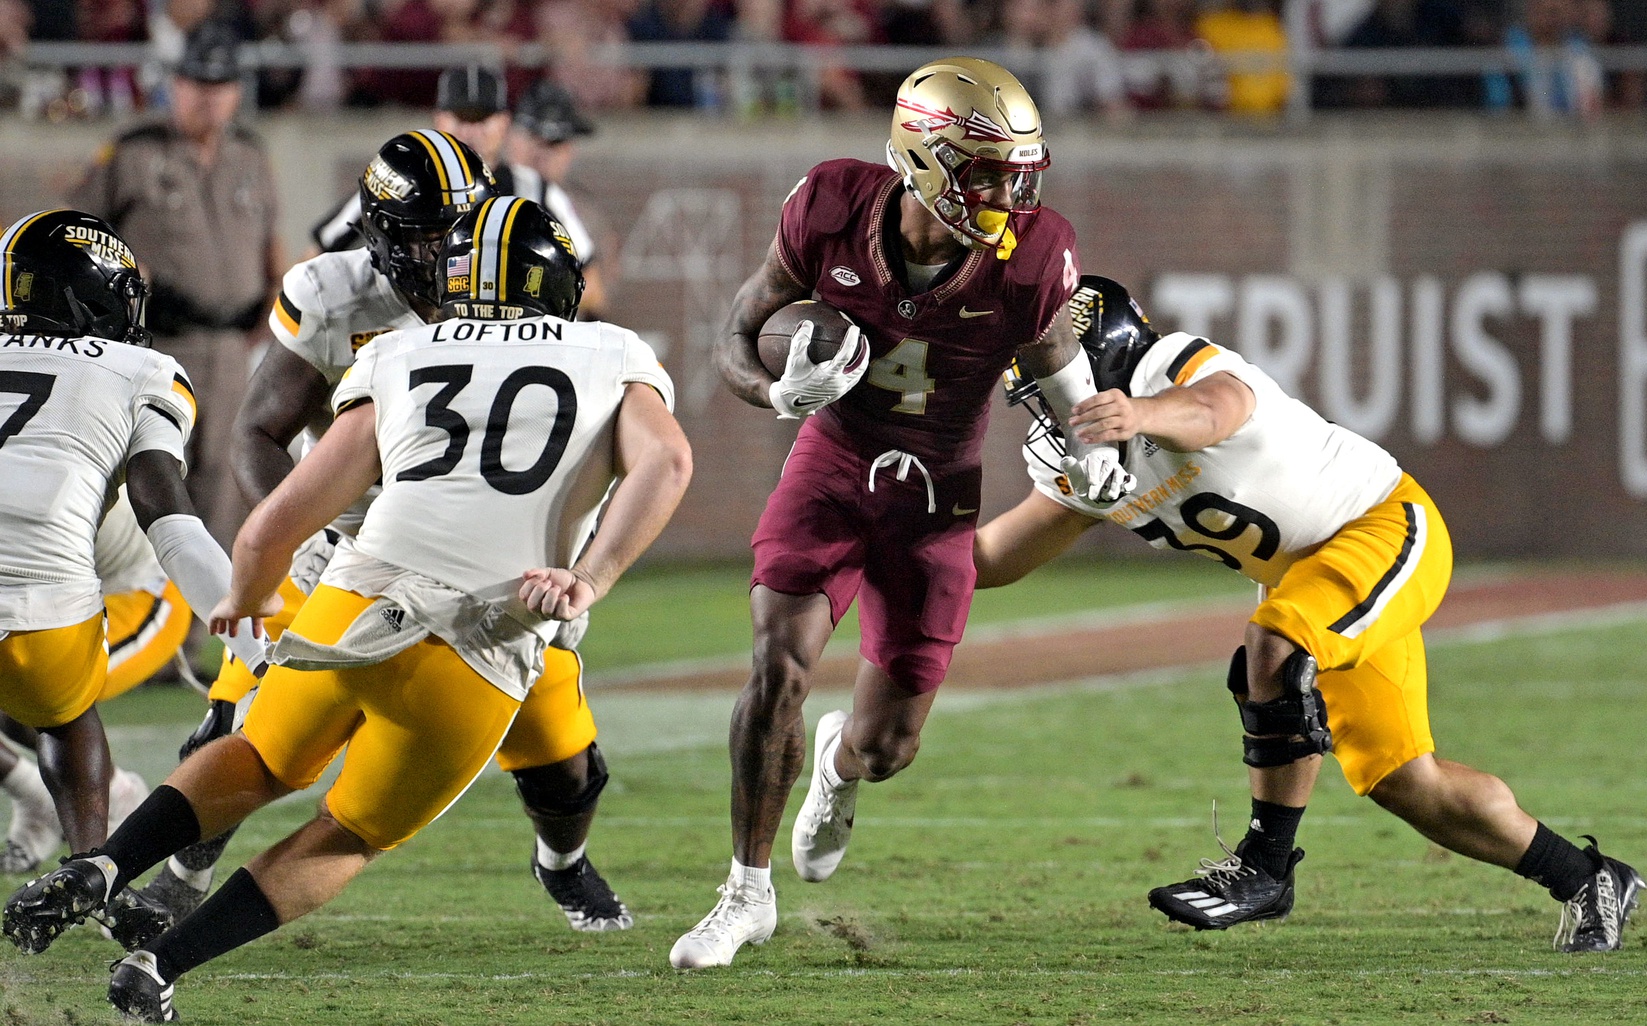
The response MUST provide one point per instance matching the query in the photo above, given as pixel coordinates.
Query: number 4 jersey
(496, 439)
(1258, 501)
(72, 411)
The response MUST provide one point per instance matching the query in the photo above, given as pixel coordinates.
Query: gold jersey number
(903, 370)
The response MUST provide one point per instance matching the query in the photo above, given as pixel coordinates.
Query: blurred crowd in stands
(1078, 55)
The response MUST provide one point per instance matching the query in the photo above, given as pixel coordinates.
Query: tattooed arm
(767, 291)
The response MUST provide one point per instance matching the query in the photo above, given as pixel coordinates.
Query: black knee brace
(1296, 723)
(543, 791)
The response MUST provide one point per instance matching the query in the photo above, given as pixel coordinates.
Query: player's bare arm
(765, 292)
(1053, 351)
(1185, 419)
(655, 462)
(339, 470)
(286, 394)
(1026, 536)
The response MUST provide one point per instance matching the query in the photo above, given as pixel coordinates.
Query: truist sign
(1425, 361)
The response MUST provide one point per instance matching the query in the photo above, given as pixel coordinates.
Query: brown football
(829, 328)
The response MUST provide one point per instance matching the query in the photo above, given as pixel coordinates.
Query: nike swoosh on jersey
(974, 313)
(957, 511)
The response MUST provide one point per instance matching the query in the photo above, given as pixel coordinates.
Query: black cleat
(137, 991)
(1594, 918)
(1226, 892)
(171, 891)
(584, 896)
(133, 919)
(42, 909)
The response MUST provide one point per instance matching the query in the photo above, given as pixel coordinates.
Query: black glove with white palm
(807, 387)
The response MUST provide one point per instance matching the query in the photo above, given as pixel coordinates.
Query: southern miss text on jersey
(496, 442)
(938, 354)
(1282, 484)
(72, 411)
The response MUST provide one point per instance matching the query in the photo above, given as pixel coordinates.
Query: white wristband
(1067, 387)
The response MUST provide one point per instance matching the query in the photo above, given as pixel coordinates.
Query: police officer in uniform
(194, 196)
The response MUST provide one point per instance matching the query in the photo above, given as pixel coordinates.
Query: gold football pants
(49, 677)
(1357, 605)
(145, 631)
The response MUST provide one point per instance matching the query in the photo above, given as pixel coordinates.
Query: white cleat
(126, 792)
(739, 918)
(824, 824)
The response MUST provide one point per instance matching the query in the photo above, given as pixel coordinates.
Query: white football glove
(805, 386)
(1098, 476)
(310, 559)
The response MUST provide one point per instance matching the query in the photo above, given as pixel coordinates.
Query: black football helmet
(1115, 333)
(411, 193)
(509, 259)
(68, 273)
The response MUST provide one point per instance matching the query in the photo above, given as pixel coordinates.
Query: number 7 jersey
(496, 439)
(1260, 500)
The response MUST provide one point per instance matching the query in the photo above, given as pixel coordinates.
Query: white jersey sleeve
(332, 305)
(641, 364)
(163, 411)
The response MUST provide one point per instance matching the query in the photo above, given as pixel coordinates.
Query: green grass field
(999, 880)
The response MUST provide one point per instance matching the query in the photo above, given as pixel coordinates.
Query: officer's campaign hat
(471, 93)
(211, 54)
(549, 112)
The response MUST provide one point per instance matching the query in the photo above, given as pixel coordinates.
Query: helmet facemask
(981, 194)
(405, 251)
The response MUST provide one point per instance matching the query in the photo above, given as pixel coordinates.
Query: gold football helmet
(967, 139)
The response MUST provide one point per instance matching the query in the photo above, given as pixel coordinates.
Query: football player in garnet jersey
(1353, 557)
(951, 268)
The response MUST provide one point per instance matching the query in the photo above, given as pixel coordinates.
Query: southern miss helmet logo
(100, 244)
(385, 182)
(563, 237)
(976, 125)
(24, 288)
(534, 280)
(1082, 306)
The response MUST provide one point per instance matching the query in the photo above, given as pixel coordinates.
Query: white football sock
(549, 858)
(199, 879)
(831, 775)
(748, 878)
(23, 783)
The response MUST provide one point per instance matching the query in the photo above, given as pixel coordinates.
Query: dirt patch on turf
(1194, 634)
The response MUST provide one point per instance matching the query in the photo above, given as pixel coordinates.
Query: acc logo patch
(845, 275)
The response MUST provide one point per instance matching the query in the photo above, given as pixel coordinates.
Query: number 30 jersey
(1265, 497)
(72, 412)
(496, 439)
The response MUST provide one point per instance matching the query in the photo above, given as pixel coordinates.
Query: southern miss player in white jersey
(83, 405)
(1353, 557)
(329, 307)
(418, 651)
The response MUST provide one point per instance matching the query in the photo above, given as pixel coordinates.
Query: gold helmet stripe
(8, 241)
